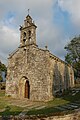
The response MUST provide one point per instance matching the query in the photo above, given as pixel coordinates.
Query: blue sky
(58, 21)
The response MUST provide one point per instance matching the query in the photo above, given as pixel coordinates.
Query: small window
(24, 34)
(24, 40)
(29, 35)
(29, 32)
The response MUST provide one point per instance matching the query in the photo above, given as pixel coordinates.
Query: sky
(58, 21)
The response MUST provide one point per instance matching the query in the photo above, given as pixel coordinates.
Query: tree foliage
(2, 68)
(73, 54)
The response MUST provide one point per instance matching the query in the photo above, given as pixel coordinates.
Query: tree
(2, 68)
(73, 54)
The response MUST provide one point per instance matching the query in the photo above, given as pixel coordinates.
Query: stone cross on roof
(28, 11)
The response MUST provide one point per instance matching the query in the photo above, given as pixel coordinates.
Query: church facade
(35, 73)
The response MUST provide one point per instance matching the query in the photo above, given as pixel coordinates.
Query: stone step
(40, 107)
(67, 107)
(60, 108)
(73, 106)
(76, 104)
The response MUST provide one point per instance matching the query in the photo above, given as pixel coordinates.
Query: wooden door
(27, 89)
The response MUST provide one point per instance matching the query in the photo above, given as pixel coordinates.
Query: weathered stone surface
(35, 73)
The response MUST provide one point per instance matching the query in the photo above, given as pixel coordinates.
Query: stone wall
(44, 71)
(61, 74)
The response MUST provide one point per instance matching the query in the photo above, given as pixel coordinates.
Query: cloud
(13, 13)
(73, 9)
(9, 39)
(38, 8)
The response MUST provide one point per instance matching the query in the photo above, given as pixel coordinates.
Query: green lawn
(57, 101)
(2, 93)
(11, 110)
(7, 108)
(44, 111)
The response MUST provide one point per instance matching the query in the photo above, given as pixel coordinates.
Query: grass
(2, 93)
(6, 108)
(44, 111)
(11, 110)
(50, 109)
(56, 102)
(72, 98)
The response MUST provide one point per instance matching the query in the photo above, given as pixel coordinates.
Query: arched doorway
(24, 88)
(27, 90)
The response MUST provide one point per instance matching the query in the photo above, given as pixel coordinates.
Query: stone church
(34, 73)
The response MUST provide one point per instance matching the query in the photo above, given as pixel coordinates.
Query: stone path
(25, 103)
(24, 112)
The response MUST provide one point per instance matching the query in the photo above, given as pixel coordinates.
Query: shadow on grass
(44, 111)
(71, 96)
(7, 112)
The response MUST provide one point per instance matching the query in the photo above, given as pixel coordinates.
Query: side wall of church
(62, 75)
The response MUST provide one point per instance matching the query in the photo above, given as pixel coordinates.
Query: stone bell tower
(28, 32)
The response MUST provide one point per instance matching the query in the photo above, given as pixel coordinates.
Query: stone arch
(24, 88)
(24, 38)
(29, 36)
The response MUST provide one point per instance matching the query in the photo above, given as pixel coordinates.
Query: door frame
(22, 83)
